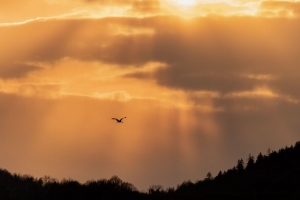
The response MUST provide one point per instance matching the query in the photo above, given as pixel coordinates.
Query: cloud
(46, 90)
(280, 8)
(117, 96)
(47, 9)
(211, 54)
(215, 56)
(258, 92)
(16, 70)
(32, 9)
(115, 2)
(146, 7)
(78, 9)
(227, 9)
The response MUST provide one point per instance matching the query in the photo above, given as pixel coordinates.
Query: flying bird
(119, 120)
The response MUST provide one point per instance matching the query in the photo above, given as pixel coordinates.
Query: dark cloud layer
(201, 54)
(12, 70)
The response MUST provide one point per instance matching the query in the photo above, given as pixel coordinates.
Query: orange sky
(202, 84)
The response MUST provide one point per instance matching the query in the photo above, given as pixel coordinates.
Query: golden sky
(202, 84)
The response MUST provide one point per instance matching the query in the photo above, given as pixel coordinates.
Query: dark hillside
(272, 176)
(17, 187)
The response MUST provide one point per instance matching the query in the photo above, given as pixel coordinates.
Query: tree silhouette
(240, 165)
(272, 176)
(209, 177)
(250, 162)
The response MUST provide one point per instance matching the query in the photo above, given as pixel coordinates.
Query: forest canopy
(274, 175)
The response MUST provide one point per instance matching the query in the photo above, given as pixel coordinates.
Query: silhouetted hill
(272, 176)
(17, 187)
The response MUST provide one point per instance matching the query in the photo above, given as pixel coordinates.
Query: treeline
(272, 176)
(24, 187)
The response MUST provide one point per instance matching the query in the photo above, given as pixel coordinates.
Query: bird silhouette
(119, 120)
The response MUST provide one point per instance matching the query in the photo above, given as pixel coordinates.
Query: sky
(202, 84)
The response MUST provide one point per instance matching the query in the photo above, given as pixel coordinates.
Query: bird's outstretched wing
(118, 120)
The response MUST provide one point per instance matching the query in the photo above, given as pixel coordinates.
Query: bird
(119, 120)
